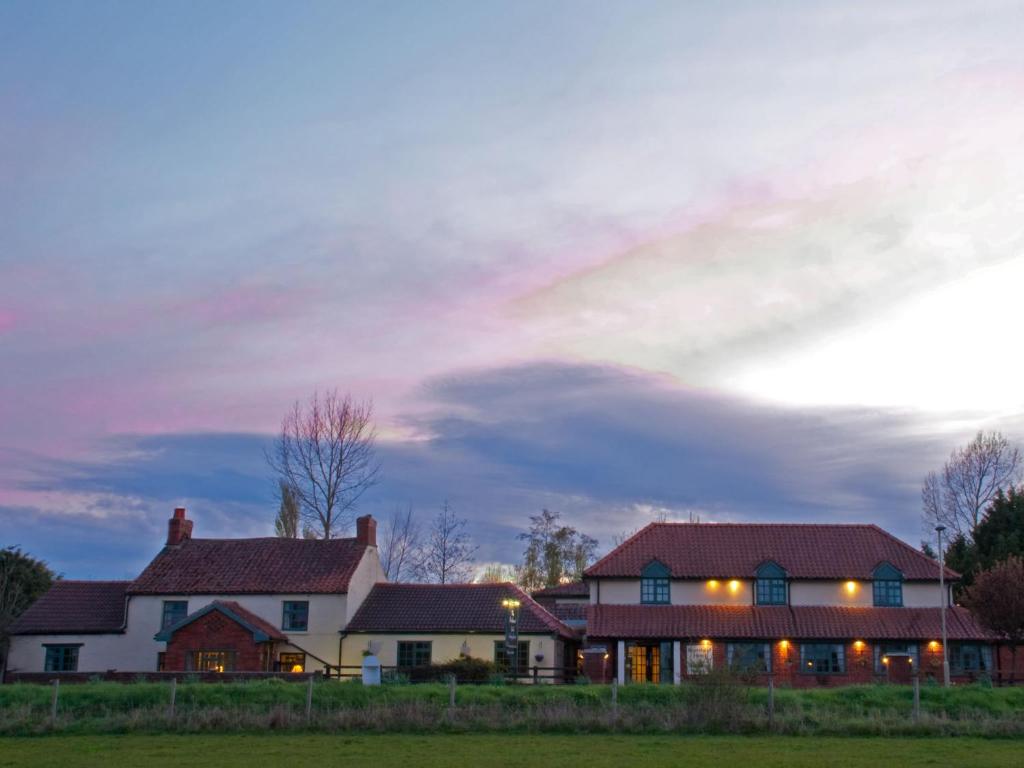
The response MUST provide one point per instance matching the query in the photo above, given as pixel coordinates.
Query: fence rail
(534, 674)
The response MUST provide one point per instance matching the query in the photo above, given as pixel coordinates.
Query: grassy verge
(506, 751)
(712, 707)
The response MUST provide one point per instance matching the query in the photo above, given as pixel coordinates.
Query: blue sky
(619, 260)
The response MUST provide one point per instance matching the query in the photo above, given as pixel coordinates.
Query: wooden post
(534, 674)
(917, 697)
(771, 700)
(174, 695)
(615, 697)
(309, 701)
(53, 702)
(451, 692)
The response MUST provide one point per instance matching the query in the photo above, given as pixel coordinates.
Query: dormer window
(771, 585)
(654, 584)
(888, 586)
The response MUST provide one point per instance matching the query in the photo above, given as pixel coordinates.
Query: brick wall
(216, 632)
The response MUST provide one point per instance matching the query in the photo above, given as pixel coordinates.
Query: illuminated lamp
(296, 667)
(851, 587)
(858, 645)
(713, 584)
(705, 643)
(734, 586)
(784, 644)
(933, 645)
(885, 659)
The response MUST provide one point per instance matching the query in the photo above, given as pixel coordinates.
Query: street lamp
(942, 589)
(511, 634)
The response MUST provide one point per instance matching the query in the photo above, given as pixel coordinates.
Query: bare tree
(286, 524)
(499, 573)
(401, 546)
(325, 452)
(957, 496)
(448, 553)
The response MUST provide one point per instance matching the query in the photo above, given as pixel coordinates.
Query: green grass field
(338, 708)
(506, 751)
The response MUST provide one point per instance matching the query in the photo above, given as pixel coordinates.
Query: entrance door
(899, 668)
(649, 662)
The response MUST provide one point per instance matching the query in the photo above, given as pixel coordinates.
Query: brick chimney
(179, 528)
(366, 530)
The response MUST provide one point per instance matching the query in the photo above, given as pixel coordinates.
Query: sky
(623, 261)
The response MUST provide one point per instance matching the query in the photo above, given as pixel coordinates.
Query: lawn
(711, 707)
(506, 751)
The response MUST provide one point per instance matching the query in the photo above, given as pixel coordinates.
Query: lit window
(61, 658)
(296, 615)
(213, 661)
(292, 662)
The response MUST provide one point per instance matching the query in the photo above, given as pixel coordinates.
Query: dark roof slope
(262, 630)
(731, 550)
(75, 607)
(251, 566)
(779, 622)
(570, 590)
(450, 608)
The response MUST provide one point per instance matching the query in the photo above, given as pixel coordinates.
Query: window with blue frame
(970, 657)
(822, 659)
(296, 615)
(748, 657)
(61, 658)
(770, 587)
(654, 584)
(414, 653)
(888, 586)
(174, 611)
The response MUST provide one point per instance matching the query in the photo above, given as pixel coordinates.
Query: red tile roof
(251, 566)
(450, 608)
(572, 589)
(778, 622)
(735, 550)
(75, 607)
(262, 630)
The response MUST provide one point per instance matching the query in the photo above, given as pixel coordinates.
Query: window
(771, 585)
(654, 588)
(888, 586)
(213, 661)
(296, 615)
(292, 662)
(62, 658)
(822, 659)
(501, 660)
(174, 611)
(748, 657)
(414, 654)
(970, 657)
(882, 651)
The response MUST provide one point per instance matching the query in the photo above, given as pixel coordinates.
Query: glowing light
(734, 586)
(885, 659)
(858, 644)
(783, 644)
(705, 643)
(296, 667)
(851, 587)
(713, 584)
(510, 603)
(607, 656)
(933, 645)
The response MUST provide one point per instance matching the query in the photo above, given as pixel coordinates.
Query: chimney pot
(366, 530)
(179, 528)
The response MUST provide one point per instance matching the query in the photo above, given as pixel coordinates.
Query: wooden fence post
(174, 695)
(451, 692)
(309, 701)
(917, 698)
(53, 702)
(771, 700)
(615, 697)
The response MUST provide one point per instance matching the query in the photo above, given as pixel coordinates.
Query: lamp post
(942, 589)
(512, 634)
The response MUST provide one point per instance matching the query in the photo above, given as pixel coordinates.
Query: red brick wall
(216, 632)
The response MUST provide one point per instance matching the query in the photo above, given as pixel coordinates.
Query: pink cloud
(7, 320)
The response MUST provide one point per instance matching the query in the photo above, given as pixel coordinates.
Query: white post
(677, 662)
(620, 663)
(942, 610)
